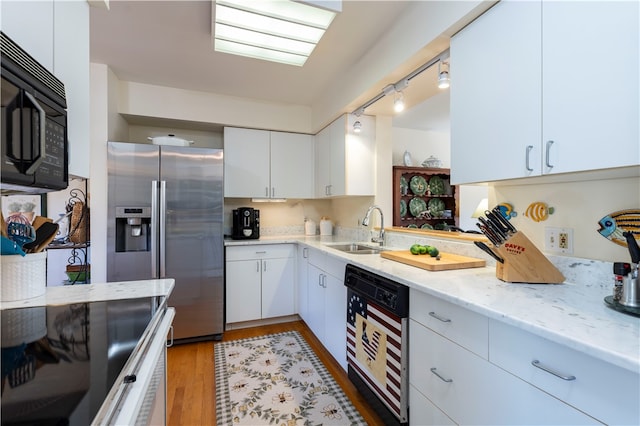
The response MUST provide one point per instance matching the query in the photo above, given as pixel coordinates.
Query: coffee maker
(246, 224)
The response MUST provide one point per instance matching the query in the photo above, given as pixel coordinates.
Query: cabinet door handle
(549, 370)
(546, 155)
(264, 266)
(438, 317)
(169, 342)
(320, 280)
(266, 191)
(529, 148)
(257, 266)
(261, 252)
(273, 192)
(433, 370)
(305, 253)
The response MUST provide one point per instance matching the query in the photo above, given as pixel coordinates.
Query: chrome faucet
(380, 238)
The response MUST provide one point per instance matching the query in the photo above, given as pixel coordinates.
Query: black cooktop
(60, 362)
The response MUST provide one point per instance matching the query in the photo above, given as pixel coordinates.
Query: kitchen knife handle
(504, 221)
(529, 148)
(632, 244)
(546, 154)
(482, 246)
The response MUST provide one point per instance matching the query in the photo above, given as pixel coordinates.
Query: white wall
(200, 138)
(146, 100)
(578, 205)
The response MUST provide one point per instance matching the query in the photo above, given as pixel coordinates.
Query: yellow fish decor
(507, 210)
(538, 211)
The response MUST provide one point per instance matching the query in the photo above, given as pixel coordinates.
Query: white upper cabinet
(56, 34)
(246, 163)
(291, 165)
(71, 65)
(264, 164)
(30, 25)
(545, 87)
(590, 84)
(345, 161)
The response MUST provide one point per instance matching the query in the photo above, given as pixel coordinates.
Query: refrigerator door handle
(154, 229)
(163, 228)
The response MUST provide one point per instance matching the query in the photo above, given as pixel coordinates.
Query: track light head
(357, 127)
(443, 75)
(398, 103)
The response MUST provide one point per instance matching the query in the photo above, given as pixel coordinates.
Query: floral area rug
(277, 380)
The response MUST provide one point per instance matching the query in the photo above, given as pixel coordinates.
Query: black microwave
(34, 124)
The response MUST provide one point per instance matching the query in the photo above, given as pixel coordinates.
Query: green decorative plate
(426, 226)
(436, 207)
(417, 206)
(403, 208)
(418, 185)
(404, 186)
(436, 185)
(413, 226)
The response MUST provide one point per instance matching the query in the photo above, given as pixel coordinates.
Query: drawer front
(470, 390)
(602, 390)
(260, 251)
(317, 258)
(466, 328)
(423, 412)
(335, 267)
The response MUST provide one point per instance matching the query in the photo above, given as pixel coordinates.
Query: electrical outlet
(558, 240)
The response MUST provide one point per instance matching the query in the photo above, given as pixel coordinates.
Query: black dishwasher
(377, 347)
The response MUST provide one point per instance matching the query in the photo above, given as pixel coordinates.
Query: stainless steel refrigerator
(165, 221)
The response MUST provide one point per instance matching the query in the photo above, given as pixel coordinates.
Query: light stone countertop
(82, 293)
(572, 314)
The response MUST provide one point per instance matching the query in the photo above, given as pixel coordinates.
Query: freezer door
(192, 251)
(131, 170)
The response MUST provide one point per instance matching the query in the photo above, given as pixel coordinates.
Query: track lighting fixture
(357, 127)
(400, 85)
(443, 75)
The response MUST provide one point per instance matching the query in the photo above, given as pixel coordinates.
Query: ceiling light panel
(271, 30)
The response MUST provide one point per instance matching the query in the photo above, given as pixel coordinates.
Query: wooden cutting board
(447, 261)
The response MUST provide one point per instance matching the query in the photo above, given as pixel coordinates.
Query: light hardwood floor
(191, 381)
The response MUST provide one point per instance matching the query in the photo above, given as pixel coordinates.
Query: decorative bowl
(432, 162)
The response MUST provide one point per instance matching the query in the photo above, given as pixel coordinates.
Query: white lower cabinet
(260, 282)
(423, 412)
(607, 392)
(327, 303)
(301, 282)
(470, 390)
(453, 378)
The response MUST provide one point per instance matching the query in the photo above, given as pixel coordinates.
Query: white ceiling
(168, 43)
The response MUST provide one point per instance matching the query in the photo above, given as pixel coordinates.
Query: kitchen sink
(356, 248)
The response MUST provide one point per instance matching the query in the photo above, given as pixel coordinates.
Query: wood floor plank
(191, 376)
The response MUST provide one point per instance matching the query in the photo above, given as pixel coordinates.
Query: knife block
(524, 263)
